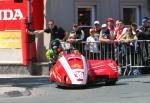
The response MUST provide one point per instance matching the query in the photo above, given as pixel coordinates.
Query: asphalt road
(127, 90)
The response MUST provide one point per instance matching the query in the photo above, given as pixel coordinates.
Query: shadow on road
(89, 86)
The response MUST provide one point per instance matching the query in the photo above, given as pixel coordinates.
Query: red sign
(11, 14)
(37, 11)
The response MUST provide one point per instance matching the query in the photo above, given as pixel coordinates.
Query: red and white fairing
(74, 69)
(70, 69)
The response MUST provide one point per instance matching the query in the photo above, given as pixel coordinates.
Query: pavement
(10, 87)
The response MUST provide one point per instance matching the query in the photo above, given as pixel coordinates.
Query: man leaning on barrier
(144, 31)
(53, 30)
(144, 35)
(107, 39)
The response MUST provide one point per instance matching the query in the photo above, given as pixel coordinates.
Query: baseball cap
(145, 20)
(110, 20)
(104, 25)
(96, 22)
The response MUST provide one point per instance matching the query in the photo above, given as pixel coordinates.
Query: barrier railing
(132, 57)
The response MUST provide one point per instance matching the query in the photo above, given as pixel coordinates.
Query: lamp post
(30, 42)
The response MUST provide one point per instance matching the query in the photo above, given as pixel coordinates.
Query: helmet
(55, 44)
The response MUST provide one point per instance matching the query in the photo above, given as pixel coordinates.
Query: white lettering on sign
(11, 14)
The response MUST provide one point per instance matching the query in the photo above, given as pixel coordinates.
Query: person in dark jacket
(79, 36)
(144, 34)
(144, 31)
(55, 31)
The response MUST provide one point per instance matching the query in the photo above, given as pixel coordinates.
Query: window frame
(93, 12)
(138, 16)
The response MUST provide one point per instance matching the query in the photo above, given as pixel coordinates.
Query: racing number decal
(78, 75)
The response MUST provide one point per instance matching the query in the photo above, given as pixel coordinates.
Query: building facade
(67, 12)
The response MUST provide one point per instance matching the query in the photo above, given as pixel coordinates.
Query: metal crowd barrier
(132, 58)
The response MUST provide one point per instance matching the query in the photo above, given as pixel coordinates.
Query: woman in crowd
(129, 35)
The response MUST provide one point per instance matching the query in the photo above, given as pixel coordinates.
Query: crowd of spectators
(118, 39)
(113, 34)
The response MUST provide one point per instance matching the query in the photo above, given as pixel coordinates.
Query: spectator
(134, 28)
(106, 39)
(92, 44)
(69, 44)
(110, 23)
(106, 35)
(144, 32)
(135, 32)
(72, 38)
(97, 26)
(131, 45)
(79, 35)
(129, 35)
(120, 31)
(55, 31)
(117, 24)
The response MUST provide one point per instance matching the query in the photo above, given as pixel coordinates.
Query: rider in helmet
(55, 51)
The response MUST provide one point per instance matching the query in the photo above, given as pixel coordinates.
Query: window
(86, 15)
(131, 14)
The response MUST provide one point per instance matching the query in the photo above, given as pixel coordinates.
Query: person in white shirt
(92, 43)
